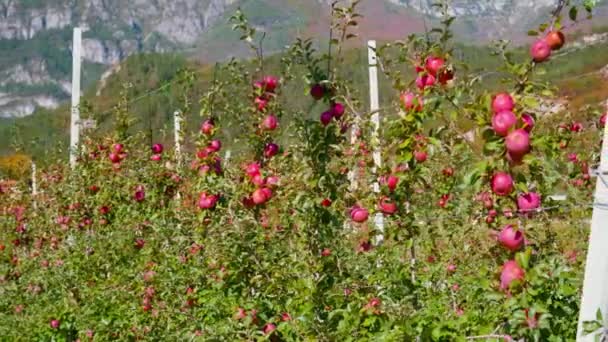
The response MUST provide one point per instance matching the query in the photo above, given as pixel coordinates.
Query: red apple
(503, 121)
(215, 145)
(518, 142)
(326, 117)
(270, 123)
(317, 91)
(114, 158)
(510, 238)
(259, 197)
(260, 103)
(269, 328)
(511, 272)
(540, 51)
(502, 184)
(338, 110)
(117, 148)
(55, 324)
(603, 120)
(410, 101)
(528, 121)
(555, 39)
(425, 81)
(391, 182)
(252, 169)
(359, 214)
(387, 206)
(420, 156)
(270, 83)
(206, 201)
(434, 64)
(502, 102)
(207, 127)
(270, 150)
(528, 202)
(157, 148)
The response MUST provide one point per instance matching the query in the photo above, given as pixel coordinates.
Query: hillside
(35, 36)
(44, 135)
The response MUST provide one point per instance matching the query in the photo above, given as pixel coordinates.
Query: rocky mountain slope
(35, 35)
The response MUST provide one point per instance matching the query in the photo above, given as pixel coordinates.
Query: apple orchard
(279, 242)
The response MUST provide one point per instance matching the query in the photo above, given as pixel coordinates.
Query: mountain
(35, 35)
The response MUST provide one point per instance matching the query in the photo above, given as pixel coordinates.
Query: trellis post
(595, 285)
(374, 104)
(177, 120)
(75, 112)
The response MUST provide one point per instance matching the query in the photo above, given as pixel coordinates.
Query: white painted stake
(595, 286)
(374, 104)
(75, 117)
(177, 117)
(34, 185)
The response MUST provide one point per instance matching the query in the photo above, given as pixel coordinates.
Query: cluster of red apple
(265, 90)
(157, 150)
(117, 154)
(264, 185)
(207, 156)
(541, 48)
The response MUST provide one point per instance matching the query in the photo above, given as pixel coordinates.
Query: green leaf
(573, 13)
(532, 33)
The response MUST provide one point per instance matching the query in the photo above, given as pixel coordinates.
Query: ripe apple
(434, 64)
(337, 110)
(260, 103)
(259, 197)
(503, 121)
(317, 91)
(391, 182)
(270, 150)
(425, 81)
(387, 206)
(528, 121)
(420, 156)
(157, 148)
(269, 328)
(359, 214)
(270, 83)
(207, 127)
(510, 238)
(326, 117)
(206, 201)
(114, 158)
(410, 101)
(555, 39)
(502, 102)
(502, 184)
(270, 123)
(252, 169)
(540, 51)
(55, 324)
(518, 143)
(215, 145)
(528, 201)
(511, 272)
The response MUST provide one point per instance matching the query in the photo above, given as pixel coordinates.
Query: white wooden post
(177, 117)
(34, 185)
(595, 285)
(227, 156)
(374, 104)
(75, 115)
